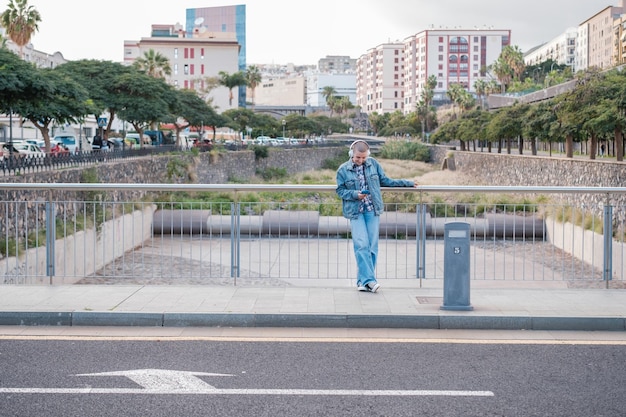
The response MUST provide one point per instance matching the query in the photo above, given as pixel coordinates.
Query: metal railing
(12, 164)
(49, 239)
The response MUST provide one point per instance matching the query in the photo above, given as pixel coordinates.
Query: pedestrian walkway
(315, 303)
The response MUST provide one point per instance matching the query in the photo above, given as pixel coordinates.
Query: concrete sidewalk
(322, 303)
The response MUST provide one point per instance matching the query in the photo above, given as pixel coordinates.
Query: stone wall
(526, 170)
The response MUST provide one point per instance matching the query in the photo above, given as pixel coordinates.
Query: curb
(450, 322)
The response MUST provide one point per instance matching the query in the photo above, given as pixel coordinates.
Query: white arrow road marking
(164, 380)
(167, 382)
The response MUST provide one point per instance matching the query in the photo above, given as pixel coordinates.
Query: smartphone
(365, 191)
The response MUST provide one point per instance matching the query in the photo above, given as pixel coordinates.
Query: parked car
(22, 149)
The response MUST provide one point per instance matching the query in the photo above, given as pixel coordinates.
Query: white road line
(314, 392)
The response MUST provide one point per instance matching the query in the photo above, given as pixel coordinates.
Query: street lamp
(284, 123)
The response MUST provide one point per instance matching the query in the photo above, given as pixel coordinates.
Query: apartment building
(193, 60)
(392, 77)
(600, 51)
(619, 35)
(336, 64)
(562, 50)
(380, 79)
(459, 56)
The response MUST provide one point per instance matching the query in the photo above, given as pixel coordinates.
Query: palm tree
(20, 22)
(253, 79)
(231, 81)
(480, 86)
(154, 64)
(514, 57)
(503, 72)
(328, 93)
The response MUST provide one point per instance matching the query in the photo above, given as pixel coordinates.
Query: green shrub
(411, 151)
(334, 163)
(260, 151)
(272, 173)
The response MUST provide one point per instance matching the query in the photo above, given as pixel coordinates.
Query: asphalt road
(161, 377)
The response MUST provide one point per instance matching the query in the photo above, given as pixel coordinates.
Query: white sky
(301, 32)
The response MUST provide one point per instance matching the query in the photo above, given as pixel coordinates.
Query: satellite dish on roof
(203, 29)
(198, 21)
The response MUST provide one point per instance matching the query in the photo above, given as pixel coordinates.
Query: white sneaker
(373, 287)
(362, 288)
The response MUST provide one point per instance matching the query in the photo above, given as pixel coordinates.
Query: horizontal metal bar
(309, 188)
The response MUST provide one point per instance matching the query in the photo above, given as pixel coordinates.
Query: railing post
(607, 267)
(235, 240)
(420, 235)
(50, 237)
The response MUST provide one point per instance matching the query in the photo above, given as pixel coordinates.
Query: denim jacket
(348, 186)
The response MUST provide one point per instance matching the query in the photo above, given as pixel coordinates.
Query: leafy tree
(100, 78)
(579, 111)
(231, 81)
(18, 81)
(154, 64)
(20, 21)
(539, 124)
(616, 89)
(188, 109)
(238, 119)
(143, 100)
(59, 100)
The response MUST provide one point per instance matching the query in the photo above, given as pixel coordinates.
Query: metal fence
(163, 240)
(16, 164)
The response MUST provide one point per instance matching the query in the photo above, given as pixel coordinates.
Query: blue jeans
(365, 230)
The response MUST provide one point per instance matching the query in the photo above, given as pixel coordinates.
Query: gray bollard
(456, 267)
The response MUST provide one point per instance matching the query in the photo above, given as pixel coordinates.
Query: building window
(441, 39)
(440, 48)
(186, 53)
(201, 53)
(186, 70)
(175, 69)
(191, 68)
(202, 69)
(441, 57)
(175, 53)
(191, 53)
